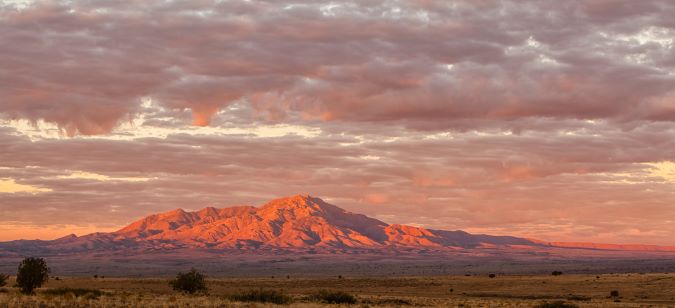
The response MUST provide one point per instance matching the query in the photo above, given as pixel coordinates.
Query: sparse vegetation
(556, 273)
(262, 296)
(3, 280)
(191, 282)
(76, 292)
(476, 291)
(614, 293)
(556, 304)
(492, 275)
(396, 302)
(32, 274)
(578, 298)
(333, 297)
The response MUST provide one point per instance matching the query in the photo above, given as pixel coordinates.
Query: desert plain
(378, 283)
(583, 290)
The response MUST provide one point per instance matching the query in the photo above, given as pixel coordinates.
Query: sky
(545, 119)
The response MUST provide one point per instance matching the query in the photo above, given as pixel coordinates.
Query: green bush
(556, 304)
(32, 274)
(77, 292)
(190, 282)
(262, 296)
(3, 280)
(333, 297)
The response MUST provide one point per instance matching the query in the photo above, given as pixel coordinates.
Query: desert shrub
(396, 302)
(556, 273)
(262, 296)
(333, 297)
(32, 274)
(190, 282)
(76, 292)
(492, 275)
(556, 304)
(614, 293)
(578, 298)
(3, 280)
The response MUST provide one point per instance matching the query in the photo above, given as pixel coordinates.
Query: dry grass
(450, 291)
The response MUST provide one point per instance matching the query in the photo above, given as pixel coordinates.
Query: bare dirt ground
(634, 290)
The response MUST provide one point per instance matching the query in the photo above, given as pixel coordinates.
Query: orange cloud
(202, 115)
(377, 198)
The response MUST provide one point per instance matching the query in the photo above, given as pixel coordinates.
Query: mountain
(293, 224)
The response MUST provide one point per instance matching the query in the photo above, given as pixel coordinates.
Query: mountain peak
(298, 202)
(298, 222)
(306, 200)
(175, 213)
(208, 211)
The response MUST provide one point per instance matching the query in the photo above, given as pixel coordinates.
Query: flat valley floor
(582, 290)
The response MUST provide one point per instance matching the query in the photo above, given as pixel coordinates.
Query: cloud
(10, 186)
(593, 175)
(514, 117)
(86, 66)
(664, 170)
(81, 175)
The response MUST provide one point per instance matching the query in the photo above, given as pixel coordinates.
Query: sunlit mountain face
(531, 119)
(308, 225)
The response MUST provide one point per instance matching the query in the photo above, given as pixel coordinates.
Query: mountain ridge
(294, 224)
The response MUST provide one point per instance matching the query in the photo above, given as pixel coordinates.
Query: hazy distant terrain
(252, 265)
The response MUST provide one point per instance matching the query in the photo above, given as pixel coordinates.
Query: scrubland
(631, 290)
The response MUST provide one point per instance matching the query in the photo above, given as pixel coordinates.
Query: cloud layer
(551, 119)
(85, 65)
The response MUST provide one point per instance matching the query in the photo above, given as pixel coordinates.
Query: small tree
(32, 274)
(3, 280)
(190, 282)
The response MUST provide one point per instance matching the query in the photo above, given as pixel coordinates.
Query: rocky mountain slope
(298, 223)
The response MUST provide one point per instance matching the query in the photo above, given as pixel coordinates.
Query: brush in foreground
(75, 292)
(262, 296)
(556, 304)
(32, 274)
(3, 280)
(333, 297)
(190, 282)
